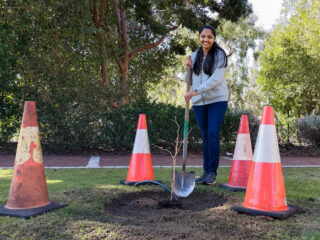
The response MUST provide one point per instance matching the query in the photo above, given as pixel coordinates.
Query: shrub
(231, 123)
(72, 127)
(119, 126)
(309, 129)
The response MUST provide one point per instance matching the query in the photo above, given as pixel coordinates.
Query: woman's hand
(189, 95)
(188, 61)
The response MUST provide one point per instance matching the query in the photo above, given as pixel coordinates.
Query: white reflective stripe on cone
(243, 150)
(267, 148)
(141, 142)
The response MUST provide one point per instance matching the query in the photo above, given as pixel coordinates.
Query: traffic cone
(140, 168)
(28, 195)
(266, 193)
(242, 157)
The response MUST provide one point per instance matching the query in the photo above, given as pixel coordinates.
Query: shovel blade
(184, 183)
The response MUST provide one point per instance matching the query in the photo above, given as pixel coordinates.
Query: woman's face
(206, 39)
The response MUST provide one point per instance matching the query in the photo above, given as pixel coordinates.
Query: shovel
(185, 181)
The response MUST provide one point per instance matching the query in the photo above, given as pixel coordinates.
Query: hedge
(309, 129)
(80, 129)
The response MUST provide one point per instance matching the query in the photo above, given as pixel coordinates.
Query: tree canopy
(78, 59)
(237, 38)
(290, 62)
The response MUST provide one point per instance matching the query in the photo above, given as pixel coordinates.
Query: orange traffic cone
(242, 158)
(140, 168)
(266, 193)
(28, 195)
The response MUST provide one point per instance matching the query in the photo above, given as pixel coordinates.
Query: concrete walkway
(123, 160)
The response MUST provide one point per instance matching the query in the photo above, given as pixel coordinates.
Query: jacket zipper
(201, 84)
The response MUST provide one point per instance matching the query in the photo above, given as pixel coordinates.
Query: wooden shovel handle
(186, 122)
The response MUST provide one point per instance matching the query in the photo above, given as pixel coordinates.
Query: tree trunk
(124, 84)
(123, 62)
(124, 57)
(97, 20)
(104, 72)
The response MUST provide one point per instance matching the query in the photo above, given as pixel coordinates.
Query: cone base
(29, 212)
(233, 188)
(131, 183)
(278, 215)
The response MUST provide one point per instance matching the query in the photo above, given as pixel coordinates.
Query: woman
(209, 96)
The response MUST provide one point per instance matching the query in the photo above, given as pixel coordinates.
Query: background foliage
(290, 62)
(87, 73)
(309, 129)
(115, 131)
(89, 64)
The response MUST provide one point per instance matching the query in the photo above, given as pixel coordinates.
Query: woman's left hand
(189, 95)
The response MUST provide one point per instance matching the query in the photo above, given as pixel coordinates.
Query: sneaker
(201, 178)
(210, 178)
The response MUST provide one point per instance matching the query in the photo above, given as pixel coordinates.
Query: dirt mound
(204, 215)
(144, 202)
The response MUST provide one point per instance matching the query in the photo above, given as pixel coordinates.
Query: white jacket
(210, 88)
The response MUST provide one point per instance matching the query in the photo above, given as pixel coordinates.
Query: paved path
(123, 160)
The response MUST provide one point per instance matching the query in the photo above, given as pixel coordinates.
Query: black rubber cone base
(29, 212)
(124, 182)
(232, 188)
(279, 215)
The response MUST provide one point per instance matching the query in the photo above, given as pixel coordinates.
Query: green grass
(85, 191)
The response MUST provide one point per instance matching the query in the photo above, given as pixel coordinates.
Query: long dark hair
(210, 62)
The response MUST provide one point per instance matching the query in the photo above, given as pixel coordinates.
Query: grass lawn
(92, 193)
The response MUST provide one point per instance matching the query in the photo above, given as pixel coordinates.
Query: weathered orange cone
(140, 168)
(266, 193)
(242, 157)
(28, 195)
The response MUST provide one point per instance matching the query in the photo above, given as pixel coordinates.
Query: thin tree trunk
(97, 20)
(123, 63)
(124, 84)
(104, 72)
(124, 58)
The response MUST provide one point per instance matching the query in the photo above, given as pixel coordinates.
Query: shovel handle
(186, 122)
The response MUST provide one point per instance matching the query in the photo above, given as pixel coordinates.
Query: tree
(79, 59)
(61, 32)
(10, 89)
(132, 27)
(290, 62)
(237, 38)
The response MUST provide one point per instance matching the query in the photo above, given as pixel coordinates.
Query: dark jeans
(210, 119)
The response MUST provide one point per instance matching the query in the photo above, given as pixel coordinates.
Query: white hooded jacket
(210, 88)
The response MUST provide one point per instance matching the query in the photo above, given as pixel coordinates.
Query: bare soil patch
(204, 215)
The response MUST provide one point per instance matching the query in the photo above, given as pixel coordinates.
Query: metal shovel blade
(184, 183)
